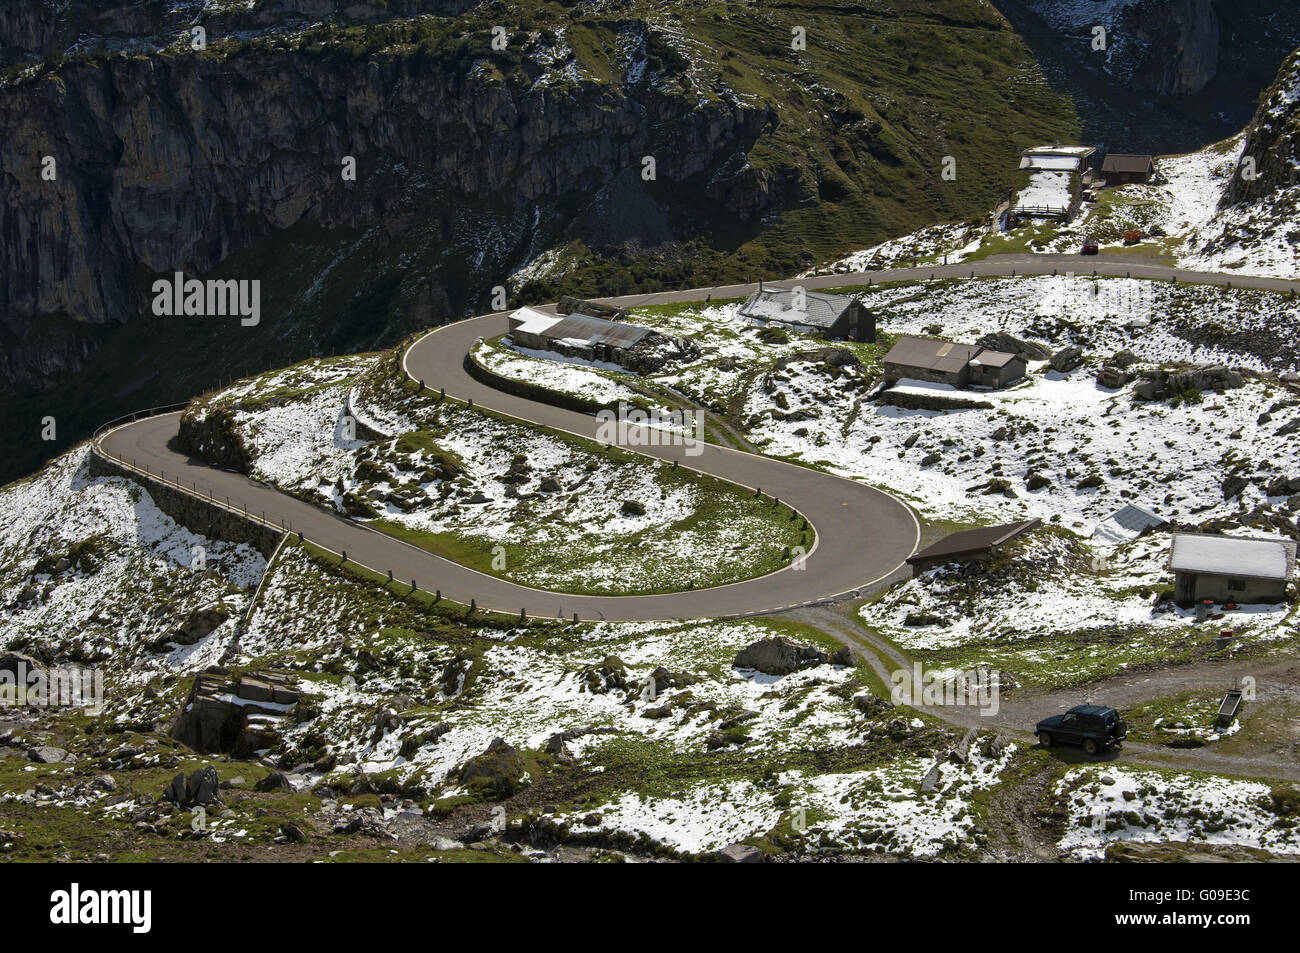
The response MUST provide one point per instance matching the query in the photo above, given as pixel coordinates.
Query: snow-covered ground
(1050, 190)
(131, 575)
(1112, 804)
(878, 809)
(1064, 427)
(1066, 587)
(550, 508)
(566, 375)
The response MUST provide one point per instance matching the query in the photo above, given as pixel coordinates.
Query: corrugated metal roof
(820, 310)
(931, 354)
(1115, 162)
(590, 330)
(1232, 556)
(973, 540)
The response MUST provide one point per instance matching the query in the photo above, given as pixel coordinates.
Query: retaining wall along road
(194, 513)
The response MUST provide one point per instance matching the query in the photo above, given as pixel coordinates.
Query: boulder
(633, 508)
(46, 754)
(275, 781)
(495, 774)
(551, 485)
(1025, 350)
(1067, 358)
(779, 656)
(201, 787)
(740, 854)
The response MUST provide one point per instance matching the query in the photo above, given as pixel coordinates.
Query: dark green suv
(1094, 727)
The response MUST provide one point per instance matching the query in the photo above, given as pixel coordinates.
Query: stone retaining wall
(531, 391)
(195, 514)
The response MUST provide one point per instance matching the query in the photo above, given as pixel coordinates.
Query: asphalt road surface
(863, 534)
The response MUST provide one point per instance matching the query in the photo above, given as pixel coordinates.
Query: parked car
(1091, 246)
(1095, 727)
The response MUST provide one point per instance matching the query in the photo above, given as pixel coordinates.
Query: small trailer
(1229, 707)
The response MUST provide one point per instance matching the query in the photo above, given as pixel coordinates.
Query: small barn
(1057, 158)
(590, 338)
(1126, 169)
(527, 326)
(972, 545)
(1231, 568)
(836, 317)
(946, 362)
(995, 369)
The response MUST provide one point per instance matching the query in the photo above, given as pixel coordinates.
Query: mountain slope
(471, 164)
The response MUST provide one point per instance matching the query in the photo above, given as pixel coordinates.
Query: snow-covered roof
(531, 321)
(1232, 556)
(1077, 151)
(819, 310)
(1052, 163)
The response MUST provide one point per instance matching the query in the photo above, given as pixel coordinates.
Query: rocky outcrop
(1161, 384)
(496, 774)
(1273, 142)
(210, 434)
(779, 656)
(238, 716)
(1010, 344)
(155, 154)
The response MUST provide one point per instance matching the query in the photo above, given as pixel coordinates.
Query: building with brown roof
(1122, 169)
(972, 545)
(946, 362)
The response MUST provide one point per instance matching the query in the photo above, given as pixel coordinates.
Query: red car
(1090, 246)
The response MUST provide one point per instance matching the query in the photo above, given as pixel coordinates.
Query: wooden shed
(1122, 169)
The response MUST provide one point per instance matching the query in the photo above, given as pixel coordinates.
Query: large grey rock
(1067, 358)
(1026, 350)
(740, 854)
(778, 656)
(47, 754)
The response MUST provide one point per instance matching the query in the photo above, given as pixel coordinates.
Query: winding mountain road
(863, 534)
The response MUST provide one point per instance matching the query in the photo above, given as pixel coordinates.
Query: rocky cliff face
(174, 162)
(1175, 75)
(1273, 143)
(1171, 47)
(475, 167)
(34, 30)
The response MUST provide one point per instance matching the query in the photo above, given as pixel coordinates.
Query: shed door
(1186, 587)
